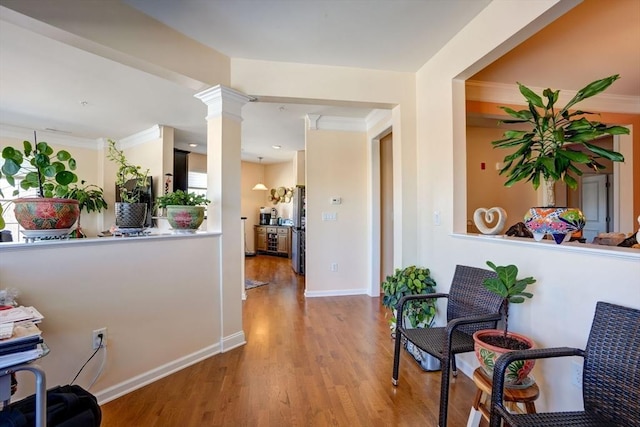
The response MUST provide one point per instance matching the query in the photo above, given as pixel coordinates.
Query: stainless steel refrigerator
(298, 230)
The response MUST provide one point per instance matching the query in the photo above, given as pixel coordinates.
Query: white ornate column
(223, 189)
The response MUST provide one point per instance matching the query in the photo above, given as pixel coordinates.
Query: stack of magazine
(20, 337)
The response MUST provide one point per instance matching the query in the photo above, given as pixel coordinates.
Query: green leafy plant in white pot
(489, 344)
(185, 211)
(557, 140)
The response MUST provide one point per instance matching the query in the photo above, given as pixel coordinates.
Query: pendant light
(260, 185)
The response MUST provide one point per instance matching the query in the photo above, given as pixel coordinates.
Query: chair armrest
(453, 324)
(500, 367)
(406, 298)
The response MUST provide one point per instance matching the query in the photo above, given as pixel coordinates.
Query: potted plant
(51, 213)
(185, 211)
(548, 152)
(132, 183)
(412, 280)
(90, 199)
(491, 343)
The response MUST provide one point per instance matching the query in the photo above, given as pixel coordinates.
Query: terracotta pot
(185, 218)
(518, 371)
(46, 214)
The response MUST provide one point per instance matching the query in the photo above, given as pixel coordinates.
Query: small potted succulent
(185, 211)
(51, 213)
(132, 183)
(491, 343)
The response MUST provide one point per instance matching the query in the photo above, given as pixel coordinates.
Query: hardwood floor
(307, 362)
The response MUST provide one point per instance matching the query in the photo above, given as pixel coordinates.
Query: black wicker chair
(470, 307)
(610, 381)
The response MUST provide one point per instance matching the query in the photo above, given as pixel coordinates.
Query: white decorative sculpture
(481, 222)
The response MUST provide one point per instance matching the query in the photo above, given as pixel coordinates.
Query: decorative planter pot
(131, 215)
(559, 222)
(517, 372)
(46, 214)
(185, 219)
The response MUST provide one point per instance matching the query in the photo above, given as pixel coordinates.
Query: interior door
(594, 205)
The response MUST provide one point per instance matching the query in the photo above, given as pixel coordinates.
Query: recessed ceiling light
(193, 145)
(276, 147)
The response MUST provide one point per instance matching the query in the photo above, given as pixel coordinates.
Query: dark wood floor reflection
(307, 362)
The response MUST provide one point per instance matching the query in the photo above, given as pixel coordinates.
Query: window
(197, 183)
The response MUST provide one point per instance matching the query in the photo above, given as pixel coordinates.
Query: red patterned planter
(517, 372)
(46, 214)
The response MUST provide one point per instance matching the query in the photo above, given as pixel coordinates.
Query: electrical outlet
(334, 266)
(576, 374)
(96, 338)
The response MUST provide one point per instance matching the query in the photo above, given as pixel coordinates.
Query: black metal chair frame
(467, 296)
(611, 375)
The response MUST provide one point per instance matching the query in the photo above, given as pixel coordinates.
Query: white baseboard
(345, 292)
(232, 341)
(142, 380)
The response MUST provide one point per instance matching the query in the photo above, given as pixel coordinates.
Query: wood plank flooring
(307, 362)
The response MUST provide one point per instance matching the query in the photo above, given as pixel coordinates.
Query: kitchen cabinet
(273, 240)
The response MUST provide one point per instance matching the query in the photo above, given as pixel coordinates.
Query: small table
(512, 396)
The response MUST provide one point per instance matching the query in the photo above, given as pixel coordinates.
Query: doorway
(386, 206)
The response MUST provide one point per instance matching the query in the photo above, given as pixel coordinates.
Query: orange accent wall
(491, 108)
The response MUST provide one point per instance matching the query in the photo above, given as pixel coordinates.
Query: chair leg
(454, 370)
(396, 359)
(444, 393)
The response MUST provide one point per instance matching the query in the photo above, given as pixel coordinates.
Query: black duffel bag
(67, 406)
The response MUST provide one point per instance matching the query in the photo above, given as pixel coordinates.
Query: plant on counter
(127, 173)
(90, 199)
(544, 153)
(43, 170)
(49, 173)
(181, 198)
(132, 183)
(185, 211)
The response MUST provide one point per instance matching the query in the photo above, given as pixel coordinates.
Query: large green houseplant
(491, 343)
(185, 211)
(132, 183)
(39, 167)
(548, 151)
(410, 280)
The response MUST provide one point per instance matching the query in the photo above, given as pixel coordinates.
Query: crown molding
(502, 93)
(377, 116)
(312, 121)
(142, 137)
(22, 134)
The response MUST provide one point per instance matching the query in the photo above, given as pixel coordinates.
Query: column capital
(223, 101)
(312, 121)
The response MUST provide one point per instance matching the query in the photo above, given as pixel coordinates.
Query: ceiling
(47, 84)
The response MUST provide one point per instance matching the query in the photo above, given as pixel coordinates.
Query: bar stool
(512, 397)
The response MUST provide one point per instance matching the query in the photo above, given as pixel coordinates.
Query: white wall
(336, 167)
(158, 319)
(570, 278)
